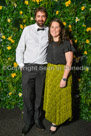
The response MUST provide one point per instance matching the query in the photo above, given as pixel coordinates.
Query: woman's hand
(62, 83)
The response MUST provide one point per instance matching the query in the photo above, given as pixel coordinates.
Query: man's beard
(40, 24)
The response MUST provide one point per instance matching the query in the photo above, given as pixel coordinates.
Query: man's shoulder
(30, 26)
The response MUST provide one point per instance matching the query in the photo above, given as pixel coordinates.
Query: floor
(11, 124)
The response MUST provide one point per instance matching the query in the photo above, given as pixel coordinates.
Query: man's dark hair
(41, 9)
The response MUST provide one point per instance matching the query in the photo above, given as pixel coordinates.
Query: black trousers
(33, 79)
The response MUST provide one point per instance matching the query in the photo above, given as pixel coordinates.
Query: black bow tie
(40, 29)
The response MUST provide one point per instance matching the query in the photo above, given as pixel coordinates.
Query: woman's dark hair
(63, 35)
(42, 9)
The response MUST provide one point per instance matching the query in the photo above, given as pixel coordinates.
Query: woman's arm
(69, 60)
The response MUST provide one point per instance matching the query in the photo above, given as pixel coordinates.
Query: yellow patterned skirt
(57, 101)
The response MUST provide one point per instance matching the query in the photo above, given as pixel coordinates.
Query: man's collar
(37, 27)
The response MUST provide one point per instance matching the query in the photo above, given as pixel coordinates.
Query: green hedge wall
(14, 16)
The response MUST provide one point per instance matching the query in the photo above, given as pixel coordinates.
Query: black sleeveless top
(56, 52)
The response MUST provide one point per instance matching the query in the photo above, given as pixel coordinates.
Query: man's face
(40, 18)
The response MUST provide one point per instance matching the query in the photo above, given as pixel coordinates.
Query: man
(31, 57)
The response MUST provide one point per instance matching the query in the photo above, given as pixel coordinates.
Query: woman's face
(55, 29)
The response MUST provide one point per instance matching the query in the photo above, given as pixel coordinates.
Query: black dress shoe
(26, 129)
(39, 125)
(51, 131)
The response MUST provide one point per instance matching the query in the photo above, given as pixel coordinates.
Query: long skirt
(57, 101)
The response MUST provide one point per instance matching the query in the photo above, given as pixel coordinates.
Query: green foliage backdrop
(14, 16)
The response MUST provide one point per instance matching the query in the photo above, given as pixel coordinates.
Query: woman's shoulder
(66, 42)
(68, 46)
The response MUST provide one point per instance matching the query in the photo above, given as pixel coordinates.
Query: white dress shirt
(32, 46)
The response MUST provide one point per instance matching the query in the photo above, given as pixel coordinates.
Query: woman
(57, 94)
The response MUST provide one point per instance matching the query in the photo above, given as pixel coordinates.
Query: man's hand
(21, 68)
(21, 65)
